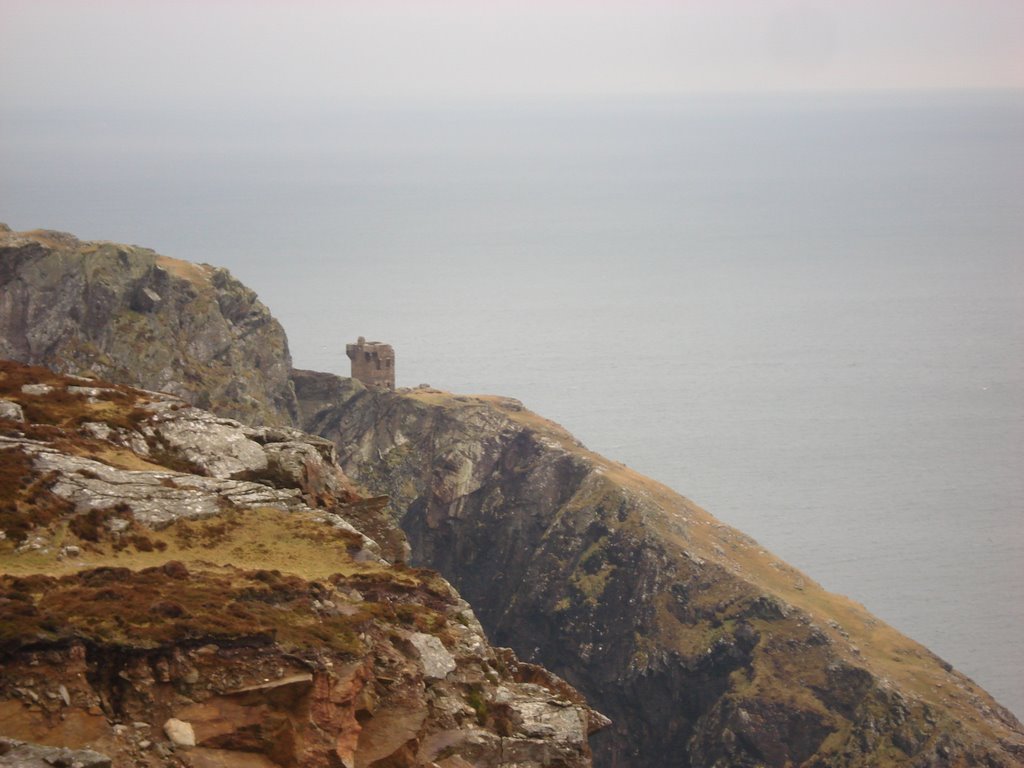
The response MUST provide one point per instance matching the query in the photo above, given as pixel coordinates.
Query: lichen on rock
(128, 314)
(172, 599)
(703, 648)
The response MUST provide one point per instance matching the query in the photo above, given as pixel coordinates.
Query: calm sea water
(804, 312)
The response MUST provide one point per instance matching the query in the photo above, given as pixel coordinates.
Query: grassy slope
(221, 549)
(860, 638)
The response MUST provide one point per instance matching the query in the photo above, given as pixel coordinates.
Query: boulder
(11, 410)
(20, 754)
(437, 662)
(180, 732)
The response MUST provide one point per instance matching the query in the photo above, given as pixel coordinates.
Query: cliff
(179, 589)
(131, 315)
(703, 648)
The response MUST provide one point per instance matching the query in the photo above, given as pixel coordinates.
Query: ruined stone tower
(373, 363)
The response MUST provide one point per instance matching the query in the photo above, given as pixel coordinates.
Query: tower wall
(373, 363)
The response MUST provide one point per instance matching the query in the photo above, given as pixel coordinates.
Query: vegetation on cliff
(705, 649)
(178, 589)
(128, 314)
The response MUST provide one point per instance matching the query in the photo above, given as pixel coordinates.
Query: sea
(803, 311)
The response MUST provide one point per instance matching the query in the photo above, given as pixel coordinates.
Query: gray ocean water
(804, 312)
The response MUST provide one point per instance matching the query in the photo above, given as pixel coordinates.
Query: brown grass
(144, 597)
(194, 273)
(13, 375)
(169, 604)
(122, 458)
(256, 538)
(26, 502)
(685, 526)
(54, 414)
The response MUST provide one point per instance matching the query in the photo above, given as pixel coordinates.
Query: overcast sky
(304, 53)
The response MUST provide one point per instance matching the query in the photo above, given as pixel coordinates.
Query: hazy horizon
(228, 54)
(807, 213)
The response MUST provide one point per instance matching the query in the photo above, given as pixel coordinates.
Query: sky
(308, 54)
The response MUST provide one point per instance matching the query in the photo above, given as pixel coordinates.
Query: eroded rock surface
(282, 671)
(182, 590)
(18, 754)
(703, 648)
(130, 315)
(152, 458)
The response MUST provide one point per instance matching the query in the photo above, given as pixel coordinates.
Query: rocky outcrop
(152, 455)
(703, 648)
(127, 314)
(281, 671)
(318, 394)
(179, 589)
(18, 754)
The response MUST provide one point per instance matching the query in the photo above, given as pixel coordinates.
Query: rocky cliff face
(182, 590)
(130, 315)
(703, 648)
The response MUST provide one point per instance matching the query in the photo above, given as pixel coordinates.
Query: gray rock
(300, 682)
(437, 662)
(158, 498)
(146, 300)
(126, 438)
(218, 447)
(11, 410)
(155, 498)
(36, 389)
(93, 393)
(61, 301)
(541, 718)
(97, 430)
(20, 754)
(478, 746)
(293, 460)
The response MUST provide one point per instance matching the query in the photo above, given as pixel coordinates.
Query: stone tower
(373, 363)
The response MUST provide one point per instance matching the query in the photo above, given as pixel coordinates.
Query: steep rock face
(182, 590)
(318, 393)
(132, 316)
(704, 649)
(278, 671)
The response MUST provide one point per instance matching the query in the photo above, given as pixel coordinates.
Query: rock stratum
(178, 589)
(703, 648)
